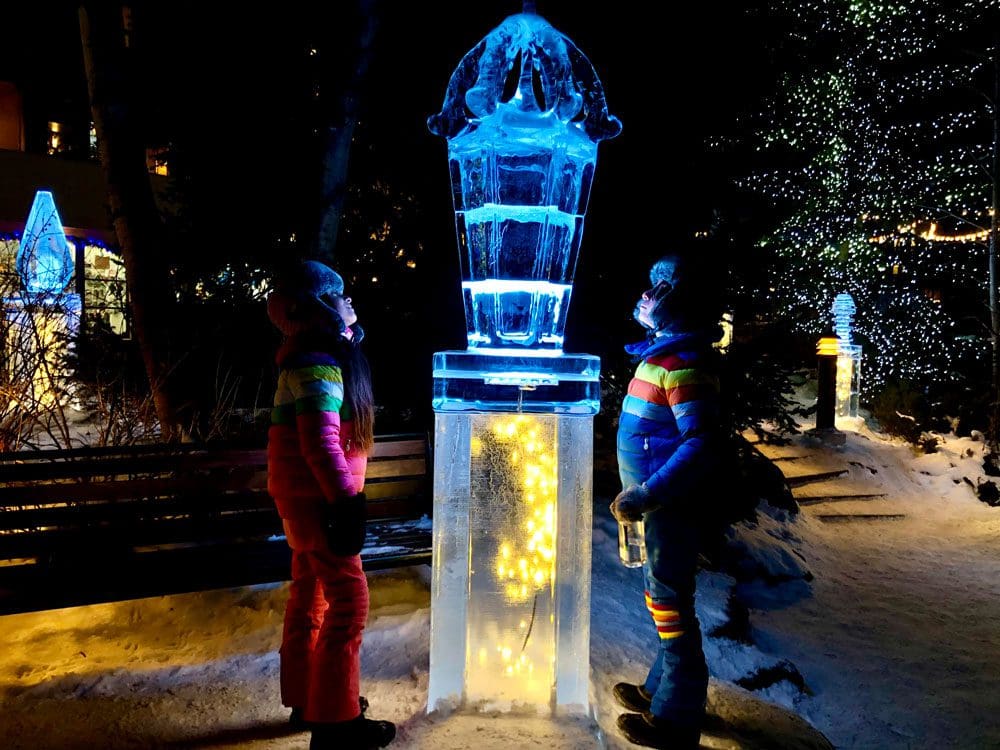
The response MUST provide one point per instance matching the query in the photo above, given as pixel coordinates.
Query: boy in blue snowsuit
(667, 449)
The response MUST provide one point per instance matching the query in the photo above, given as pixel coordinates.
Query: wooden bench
(103, 524)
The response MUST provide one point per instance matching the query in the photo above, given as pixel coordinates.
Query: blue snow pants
(678, 679)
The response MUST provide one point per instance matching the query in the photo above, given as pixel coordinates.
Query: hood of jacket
(668, 343)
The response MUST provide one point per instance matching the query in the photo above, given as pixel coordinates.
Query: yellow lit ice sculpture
(510, 607)
(849, 357)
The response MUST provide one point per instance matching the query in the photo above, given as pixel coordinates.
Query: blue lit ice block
(44, 261)
(494, 380)
(523, 115)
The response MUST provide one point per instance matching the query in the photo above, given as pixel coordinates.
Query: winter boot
(357, 734)
(298, 723)
(649, 731)
(632, 697)
(296, 720)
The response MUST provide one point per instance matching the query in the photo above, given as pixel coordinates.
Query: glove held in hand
(345, 524)
(632, 502)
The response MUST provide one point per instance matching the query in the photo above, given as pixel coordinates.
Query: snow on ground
(896, 637)
(900, 638)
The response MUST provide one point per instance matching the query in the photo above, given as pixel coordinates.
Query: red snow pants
(320, 646)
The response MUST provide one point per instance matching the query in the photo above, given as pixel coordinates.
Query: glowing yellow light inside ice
(525, 561)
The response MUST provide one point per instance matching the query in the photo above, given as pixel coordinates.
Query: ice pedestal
(848, 358)
(39, 332)
(510, 592)
(848, 379)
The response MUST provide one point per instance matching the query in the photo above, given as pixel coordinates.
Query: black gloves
(345, 524)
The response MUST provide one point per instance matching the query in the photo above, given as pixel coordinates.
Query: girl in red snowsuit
(321, 430)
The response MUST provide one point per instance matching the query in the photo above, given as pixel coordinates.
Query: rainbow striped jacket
(669, 420)
(310, 457)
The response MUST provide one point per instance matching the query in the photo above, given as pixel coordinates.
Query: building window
(58, 142)
(11, 118)
(105, 298)
(10, 284)
(92, 141)
(156, 161)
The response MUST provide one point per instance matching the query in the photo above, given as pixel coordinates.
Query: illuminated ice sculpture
(44, 261)
(510, 606)
(849, 358)
(42, 318)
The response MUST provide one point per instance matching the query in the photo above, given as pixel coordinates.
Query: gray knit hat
(301, 299)
(314, 279)
(665, 269)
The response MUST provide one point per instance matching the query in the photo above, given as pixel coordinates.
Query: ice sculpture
(42, 319)
(523, 115)
(510, 600)
(44, 262)
(849, 358)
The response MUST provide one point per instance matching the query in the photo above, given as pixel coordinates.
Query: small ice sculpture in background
(43, 319)
(523, 115)
(849, 358)
(44, 261)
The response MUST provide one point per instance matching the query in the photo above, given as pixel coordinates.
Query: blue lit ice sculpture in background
(43, 318)
(849, 357)
(44, 261)
(510, 592)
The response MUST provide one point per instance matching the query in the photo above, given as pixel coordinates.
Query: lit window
(156, 161)
(105, 295)
(56, 143)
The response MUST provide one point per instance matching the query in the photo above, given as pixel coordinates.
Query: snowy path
(900, 638)
(200, 670)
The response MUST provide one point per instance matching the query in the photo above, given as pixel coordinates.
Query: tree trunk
(134, 214)
(994, 428)
(337, 146)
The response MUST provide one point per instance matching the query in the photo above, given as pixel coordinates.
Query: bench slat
(178, 571)
(124, 489)
(125, 514)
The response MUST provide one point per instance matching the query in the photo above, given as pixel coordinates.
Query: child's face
(648, 302)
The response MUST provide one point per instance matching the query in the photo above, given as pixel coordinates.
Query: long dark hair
(358, 394)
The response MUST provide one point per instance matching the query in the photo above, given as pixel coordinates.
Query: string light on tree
(870, 175)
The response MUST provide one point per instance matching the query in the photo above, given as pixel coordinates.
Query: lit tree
(878, 153)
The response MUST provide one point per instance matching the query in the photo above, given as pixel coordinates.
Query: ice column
(849, 358)
(42, 319)
(510, 606)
